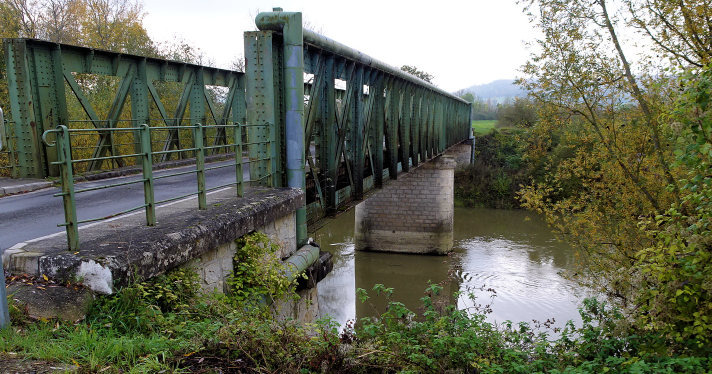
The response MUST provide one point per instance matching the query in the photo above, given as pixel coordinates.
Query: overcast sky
(461, 43)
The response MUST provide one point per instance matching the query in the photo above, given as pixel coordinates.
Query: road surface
(36, 214)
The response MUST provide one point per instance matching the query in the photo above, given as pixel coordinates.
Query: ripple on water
(511, 252)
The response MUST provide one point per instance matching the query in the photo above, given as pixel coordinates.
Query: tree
(520, 113)
(609, 130)
(611, 158)
(412, 70)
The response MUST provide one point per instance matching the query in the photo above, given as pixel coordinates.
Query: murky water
(512, 252)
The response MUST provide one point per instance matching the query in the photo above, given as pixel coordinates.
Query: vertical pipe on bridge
(290, 25)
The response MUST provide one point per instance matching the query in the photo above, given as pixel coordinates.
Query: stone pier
(411, 215)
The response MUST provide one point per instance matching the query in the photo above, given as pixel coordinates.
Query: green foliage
(412, 70)
(208, 334)
(676, 297)
(497, 173)
(520, 113)
(141, 306)
(258, 271)
(445, 339)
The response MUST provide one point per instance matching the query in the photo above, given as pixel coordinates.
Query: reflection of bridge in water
(78, 111)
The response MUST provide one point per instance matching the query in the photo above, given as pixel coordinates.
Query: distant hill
(498, 91)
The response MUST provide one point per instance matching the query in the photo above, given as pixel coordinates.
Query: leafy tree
(418, 73)
(520, 113)
(626, 148)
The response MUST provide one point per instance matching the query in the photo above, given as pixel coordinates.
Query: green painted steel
(64, 160)
(147, 169)
(332, 135)
(3, 135)
(38, 72)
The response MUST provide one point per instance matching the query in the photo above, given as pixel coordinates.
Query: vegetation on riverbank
(165, 325)
(498, 171)
(619, 161)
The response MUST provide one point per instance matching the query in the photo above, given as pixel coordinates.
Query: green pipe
(290, 25)
(295, 265)
(300, 261)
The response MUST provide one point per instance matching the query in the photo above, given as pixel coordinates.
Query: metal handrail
(145, 154)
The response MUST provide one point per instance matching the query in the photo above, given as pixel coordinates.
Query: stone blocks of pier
(413, 214)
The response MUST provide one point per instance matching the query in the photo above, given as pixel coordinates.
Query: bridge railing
(145, 155)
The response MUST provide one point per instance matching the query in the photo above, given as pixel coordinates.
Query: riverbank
(137, 332)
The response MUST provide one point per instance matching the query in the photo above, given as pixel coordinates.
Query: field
(483, 127)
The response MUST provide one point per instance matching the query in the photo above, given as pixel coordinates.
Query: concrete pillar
(411, 215)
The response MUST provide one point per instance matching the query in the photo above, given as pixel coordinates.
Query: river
(512, 252)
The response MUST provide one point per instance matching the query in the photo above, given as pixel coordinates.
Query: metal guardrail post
(200, 165)
(64, 157)
(4, 311)
(147, 164)
(2, 131)
(238, 159)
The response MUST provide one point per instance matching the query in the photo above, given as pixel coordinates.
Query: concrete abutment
(122, 251)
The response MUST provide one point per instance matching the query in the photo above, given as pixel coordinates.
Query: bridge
(309, 128)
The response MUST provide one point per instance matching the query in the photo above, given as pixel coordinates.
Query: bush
(497, 173)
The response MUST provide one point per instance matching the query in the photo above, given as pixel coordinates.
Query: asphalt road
(36, 214)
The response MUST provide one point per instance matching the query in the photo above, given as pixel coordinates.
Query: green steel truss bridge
(308, 112)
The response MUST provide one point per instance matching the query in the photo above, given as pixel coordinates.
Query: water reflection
(512, 252)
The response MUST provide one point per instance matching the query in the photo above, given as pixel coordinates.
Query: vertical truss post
(22, 107)
(61, 115)
(329, 160)
(45, 92)
(429, 126)
(139, 102)
(405, 124)
(415, 128)
(64, 157)
(391, 127)
(357, 131)
(260, 98)
(147, 166)
(441, 125)
(197, 106)
(198, 137)
(378, 118)
(238, 120)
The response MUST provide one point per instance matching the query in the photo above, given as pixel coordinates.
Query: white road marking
(23, 244)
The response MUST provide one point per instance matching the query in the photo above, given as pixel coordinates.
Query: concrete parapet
(118, 252)
(411, 215)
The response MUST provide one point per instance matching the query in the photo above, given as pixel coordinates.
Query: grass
(483, 127)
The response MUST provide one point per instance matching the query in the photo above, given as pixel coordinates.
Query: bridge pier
(412, 215)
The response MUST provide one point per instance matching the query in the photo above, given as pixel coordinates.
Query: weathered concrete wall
(461, 153)
(215, 266)
(124, 250)
(411, 215)
(118, 252)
